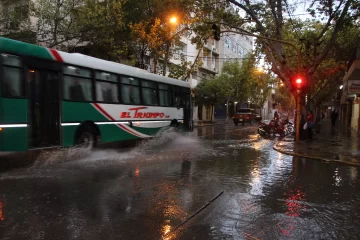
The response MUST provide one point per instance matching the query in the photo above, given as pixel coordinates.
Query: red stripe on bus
(103, 111)
(137, 108)
(111, 118)
(56, 55)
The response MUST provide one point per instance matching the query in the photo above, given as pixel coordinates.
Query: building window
(15, 15)
(227, 42)
(234, 48)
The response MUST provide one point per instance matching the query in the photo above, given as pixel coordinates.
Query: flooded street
(161, 189)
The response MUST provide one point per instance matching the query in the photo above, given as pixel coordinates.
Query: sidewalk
(335, 145)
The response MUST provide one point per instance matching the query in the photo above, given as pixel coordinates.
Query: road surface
(161, 189)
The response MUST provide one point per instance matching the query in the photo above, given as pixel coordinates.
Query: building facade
(349, 111)
(213, 56)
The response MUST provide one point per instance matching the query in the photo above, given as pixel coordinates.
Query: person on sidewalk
(276, 116)
(334, 116)
(302, 131)
(310, 124)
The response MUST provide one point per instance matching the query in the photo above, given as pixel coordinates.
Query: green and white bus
(51, 98)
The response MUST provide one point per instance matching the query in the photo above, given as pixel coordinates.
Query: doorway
(44, 108)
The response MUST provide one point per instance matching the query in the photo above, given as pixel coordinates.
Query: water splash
(167, 144)
(50, 157)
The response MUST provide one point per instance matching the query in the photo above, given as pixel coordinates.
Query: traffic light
(216, 32)
(299, 82)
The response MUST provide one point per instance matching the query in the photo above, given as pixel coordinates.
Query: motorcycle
(272, 128)
(289, 126)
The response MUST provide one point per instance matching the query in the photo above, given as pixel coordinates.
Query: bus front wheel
(86, 138)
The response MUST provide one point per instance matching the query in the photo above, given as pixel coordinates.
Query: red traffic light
(298, 81)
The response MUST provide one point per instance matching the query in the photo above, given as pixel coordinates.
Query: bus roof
(21, 48)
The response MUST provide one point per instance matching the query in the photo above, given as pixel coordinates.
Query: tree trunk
(227, 109)
(166, 58)
(155, 64)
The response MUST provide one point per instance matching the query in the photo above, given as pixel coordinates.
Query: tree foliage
(284, 97)
(315, 40)
(57, 25)
(182, 70)
(237, 82)
(103, 24)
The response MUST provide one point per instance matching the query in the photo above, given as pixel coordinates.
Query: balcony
(209, 68)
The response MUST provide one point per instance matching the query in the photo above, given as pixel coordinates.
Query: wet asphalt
(219, 182)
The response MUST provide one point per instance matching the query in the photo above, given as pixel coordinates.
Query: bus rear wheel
(86, 138)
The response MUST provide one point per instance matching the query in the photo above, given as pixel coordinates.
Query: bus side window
(77, 89)
(77, 84)
(165, 95)
(12, 83)
(149, 92)
(106, 87)
(177, 97)
(130, 90)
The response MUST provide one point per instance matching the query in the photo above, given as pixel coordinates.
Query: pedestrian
(310, 124)
(276, 116)
(302, 131)
(334, 116)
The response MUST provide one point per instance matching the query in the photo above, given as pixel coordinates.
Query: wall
(355, 117)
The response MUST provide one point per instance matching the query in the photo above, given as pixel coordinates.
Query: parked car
(245, 115)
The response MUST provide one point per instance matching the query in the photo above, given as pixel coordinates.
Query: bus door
(188, 111)
(44, 105)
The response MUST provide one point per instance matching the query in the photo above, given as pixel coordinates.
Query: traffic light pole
(298, 112)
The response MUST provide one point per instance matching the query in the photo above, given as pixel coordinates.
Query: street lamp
(260, 70)
(173, 20)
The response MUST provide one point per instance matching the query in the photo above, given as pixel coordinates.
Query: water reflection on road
(146, 192)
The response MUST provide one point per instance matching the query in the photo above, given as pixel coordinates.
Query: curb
(315, 158)
(197, 126)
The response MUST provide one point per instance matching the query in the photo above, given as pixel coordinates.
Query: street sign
(353, 86)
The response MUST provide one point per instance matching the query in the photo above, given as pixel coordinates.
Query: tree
(151, 31)
(150, 37)
(270, 22)
(240, 83)
(235, 82)
(15, 22)
(259, 88)
(180, 71)
(104, 29)
(57, 25)
(284, 97)
(209, 92)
